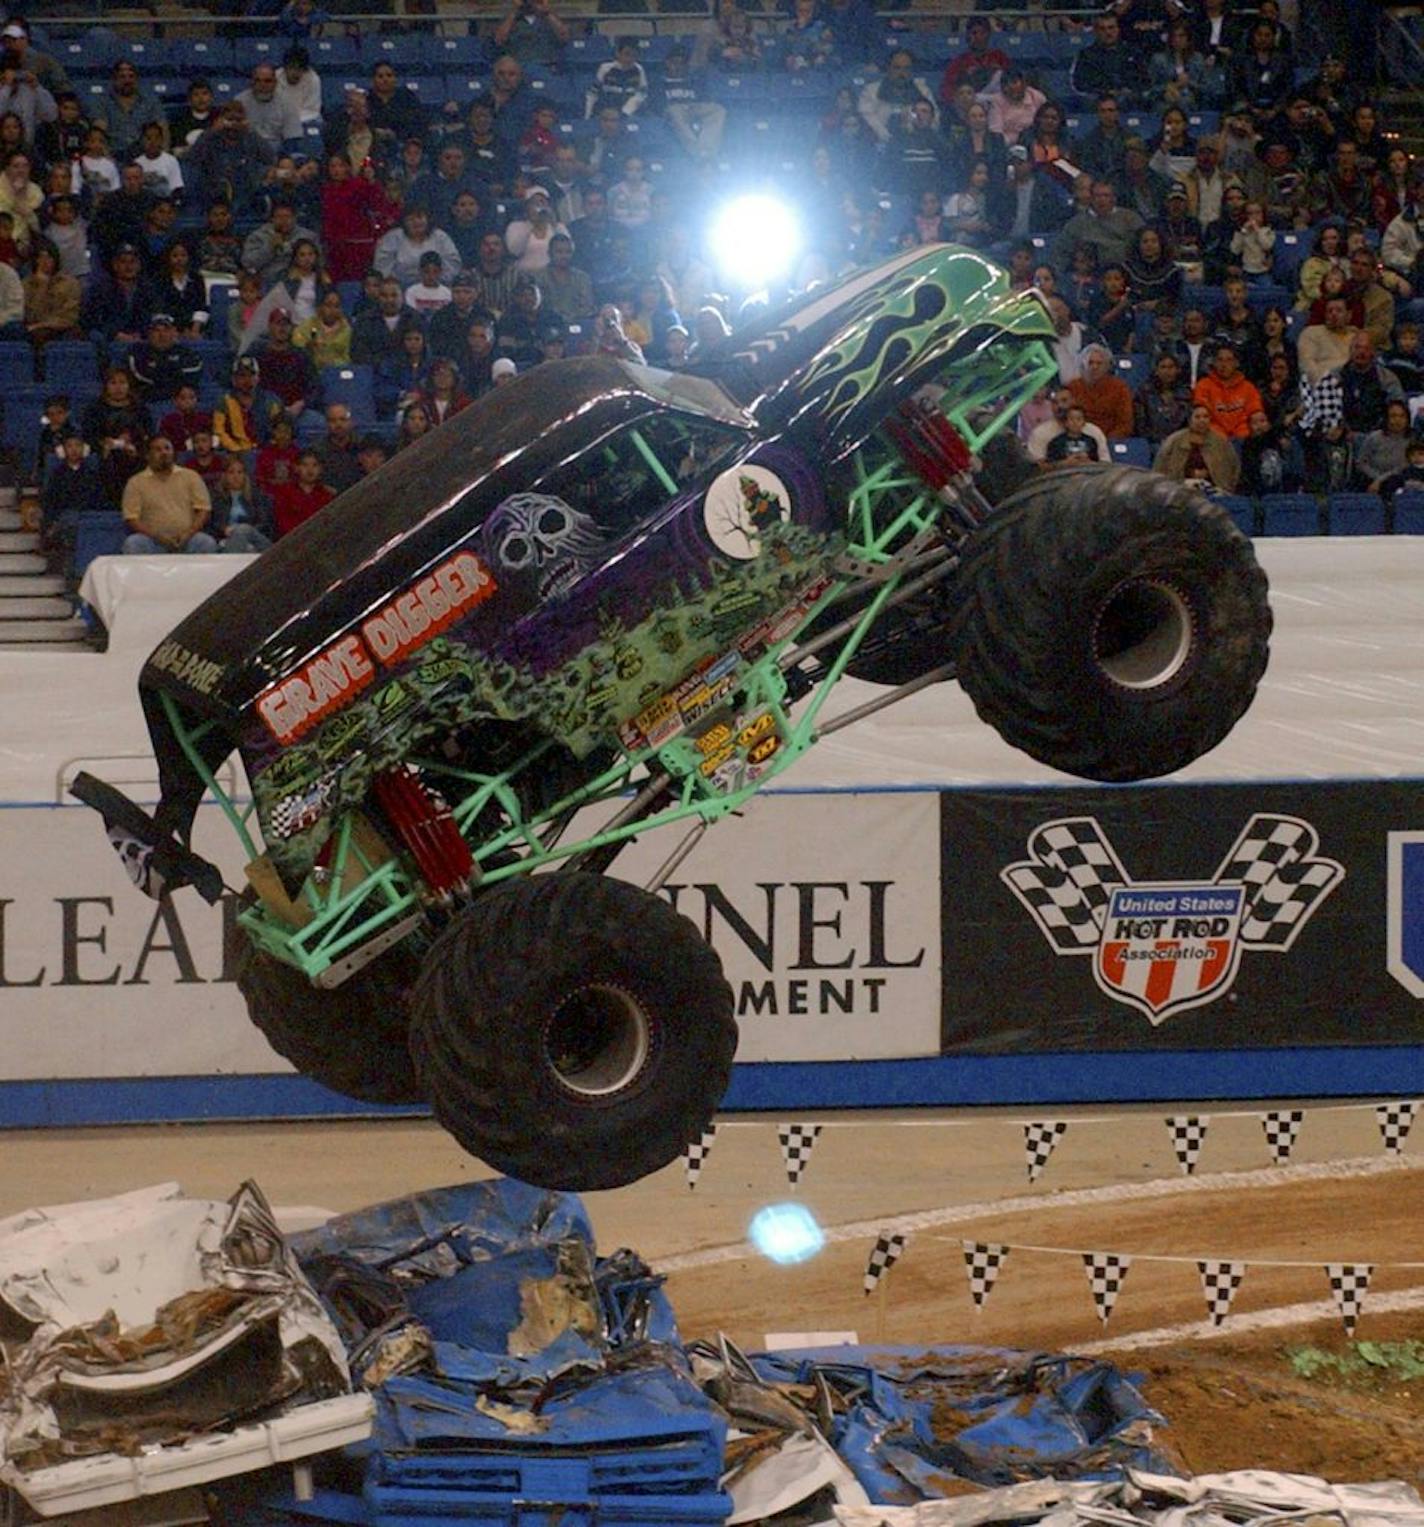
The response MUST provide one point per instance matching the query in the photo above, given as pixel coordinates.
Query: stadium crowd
(226, 300)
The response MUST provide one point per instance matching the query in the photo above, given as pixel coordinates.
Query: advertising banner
(1158, 918)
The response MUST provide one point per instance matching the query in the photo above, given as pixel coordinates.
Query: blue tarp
(914, 1416)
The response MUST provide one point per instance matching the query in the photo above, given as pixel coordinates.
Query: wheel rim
(597, 1041)
(1144, 634)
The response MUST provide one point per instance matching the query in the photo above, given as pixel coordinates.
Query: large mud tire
(1110, 622)
(352, 1039)
(573, 1031)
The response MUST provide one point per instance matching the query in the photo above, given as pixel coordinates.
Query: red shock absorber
(427, 828)
(931, 446)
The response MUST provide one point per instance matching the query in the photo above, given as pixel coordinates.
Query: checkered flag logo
(797, 1143)
(883, 1257)
(1107, 1272)
(1188, 1133)
(1348, 1283)
(983, 1262)
(1394, 1121)
(1220, 1280)
(1040, 1138)
(1066, 882)
(1281, 1127)
(694, 1156)
(1275, 859)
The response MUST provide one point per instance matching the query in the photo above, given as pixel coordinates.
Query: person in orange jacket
(1229, 396)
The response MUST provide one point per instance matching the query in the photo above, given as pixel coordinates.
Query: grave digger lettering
(291, 707)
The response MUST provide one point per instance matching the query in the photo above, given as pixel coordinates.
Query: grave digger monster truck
(615, 595)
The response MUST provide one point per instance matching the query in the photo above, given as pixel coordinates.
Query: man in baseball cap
(159, 365)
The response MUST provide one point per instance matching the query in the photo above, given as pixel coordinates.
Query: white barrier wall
(824, 906)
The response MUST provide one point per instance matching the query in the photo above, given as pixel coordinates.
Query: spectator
(401, 376)
(1327, 253)
(448, 325)
(489, 158)
(295, 502)
(1400, 247)
(1406, 360)
(1411, 479)
(565, 290)
(530, 32)
(355, 212)
(373, 455)
(376, 335)
(160, 365)
(1395, 185)
(1069, 345)
(1162, 405)
(1325, 347)
(916, 157)
(517, 331)
(698, 122)
(438, 189)
(1112, 230)
(1372, 148)
(302, 19)
(46, 72)
(415, 422)
(1366, 387)
(276, 461)
(75, 487)
(528, 238)
(1255, 243)
(51, 299)
(1236, 324)
(337, 449)
(1271, 460)
(429, 294)
(1227, 395)
(1343, 191)
(231, 159)
(892, 93)
(1102, 151)
(1365, 288)
(21, 198)
(127, 108)
(245, 417)
(1182, 75)
(1272, 339)
(1104, 396)
(272, 116)
(1111, 310)
(69, 234)
(1281, 393)
(396, 112)
(242, 514)
(299, 292)
(477, 359)
(1144, 191)
(1324, 435)
(116, 306)
(977, 66)
(196, 117)
(22, 95)
(268, 249)
(1205, 185)
(443, 395)
(184, 419)
(1072, 445)
(1262, 75)
(1043, 434)
(326, 335)
(495, 275)
(1012, 112)
(1107, 66)
(219, 249)
(630, 200)
(283, 370)
(1199, 455)
(348, 130)
(181, 290)
(399, 251)
(1153, 274)
(1284, 186)
(1382, 452)
(299, 85)
(621, 83)
(162, 174)
(94, 173)
(204, 460)
(166, 507)
(55, 424)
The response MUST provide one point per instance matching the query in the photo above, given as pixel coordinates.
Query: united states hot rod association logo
(1164, 946)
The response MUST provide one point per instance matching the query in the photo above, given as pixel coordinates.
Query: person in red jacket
(976, 66)
(1104, 397)
(1228, 395)
(295, 502)
(355, 212)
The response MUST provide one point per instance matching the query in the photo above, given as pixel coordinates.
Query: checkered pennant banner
(983, 1262)
(1188, 1133)
(1348, 1282)
(883, 1257)
(696, 1152)
(1107, 1272)
(1281, 1127)
(1276, 861)
(797, 1142)
(1066, 883)
(1394, 1121)
(1039, 1141)
(1220, 1280)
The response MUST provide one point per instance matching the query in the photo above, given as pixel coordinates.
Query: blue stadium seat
(1259, 298)
(334, 53)
(1204, 122)
(203, 56)
(1355, 514)
(443, 54)
(1406, 514)
(460, 88)
(588, 52)
(407, 51)
(1290, 514)
(351, 385)
(149, 55)
(70, 363)
(1132, 369)
(1291, 252)
(654, 50)
(1210, 299)
(17, 366)
(24, 407)
(1026, 48)
(216, 356)
(97, 535)
(1145, 124)
(93, 54)
(1242, 510)
(1133, 452)
(248, 52)
(429, 89)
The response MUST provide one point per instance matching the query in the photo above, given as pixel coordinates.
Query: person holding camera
(532, 33)
(21, 91)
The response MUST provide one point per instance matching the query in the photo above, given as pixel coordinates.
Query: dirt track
(1232, 1401)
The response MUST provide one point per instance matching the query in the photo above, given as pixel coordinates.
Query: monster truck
(617, 596)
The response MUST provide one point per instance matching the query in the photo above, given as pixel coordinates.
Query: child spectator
(1111, 311)
(74, 487)
(239, 313)
(55, 424)
(162, 173)
(276, 461)
(1406, 359)
(630, 200)
(443, 396)
(539, 142)
(295, 502)
(429, 294)
(326, 335)
(1271, 460)
(285, 371)
(69, 234)
(95, 173)
(1411, 478)
(51, 298)
(1254, 244)
(204, 459)
(10, 253)
(372, 455)
(622, 83)
(219, 249)
(185, 419)
(1073, 445)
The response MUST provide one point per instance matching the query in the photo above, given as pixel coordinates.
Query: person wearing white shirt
(299, 85)
(162, 173)
(1043, 434)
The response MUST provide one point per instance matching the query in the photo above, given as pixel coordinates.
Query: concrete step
(31, 583)
(40, 607)
(9, 519)
(18, 540)
(32, 633)
(20, 562)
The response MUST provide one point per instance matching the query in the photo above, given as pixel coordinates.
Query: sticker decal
(740, 505)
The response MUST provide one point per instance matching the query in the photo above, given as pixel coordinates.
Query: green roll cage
(357, 906)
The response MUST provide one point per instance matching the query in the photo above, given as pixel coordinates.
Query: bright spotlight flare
(786, 1233)
(755, 239)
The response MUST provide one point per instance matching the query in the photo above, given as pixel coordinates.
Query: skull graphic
(541, 533)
